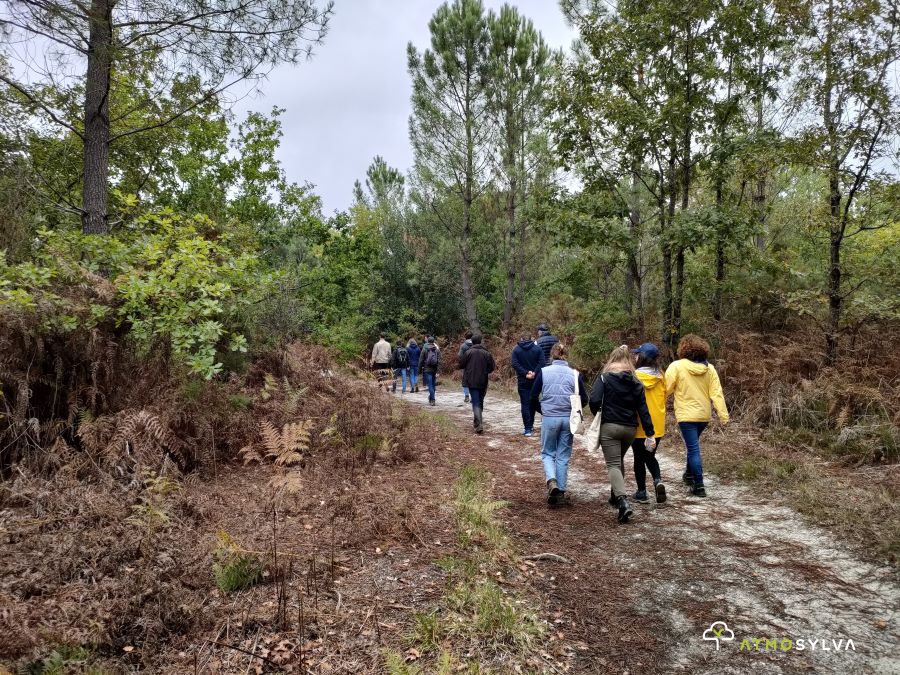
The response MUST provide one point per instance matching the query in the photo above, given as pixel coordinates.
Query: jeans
(429, 382)
(556, 449)
(412, 378)
(477, 406)
(525, 399)
(643, 460)
(615, 439)
(690, 432)
(402, 373)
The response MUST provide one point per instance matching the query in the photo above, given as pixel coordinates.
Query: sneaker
(641, 496)
(553, 492)
(699, 491)
(660, 492)
(431, 402)
(625, 510)
(528, 433)
(688, 479)
(467, 399)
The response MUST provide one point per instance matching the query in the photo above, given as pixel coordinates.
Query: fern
(284, 448)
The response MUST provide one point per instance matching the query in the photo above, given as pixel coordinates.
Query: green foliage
(65, 659)
(233, 569)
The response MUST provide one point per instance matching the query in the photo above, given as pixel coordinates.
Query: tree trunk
(759, 195)
(512, 258)
(95, 217)
(468, 285)
(835, 299)
(720, 258)
(633, 281)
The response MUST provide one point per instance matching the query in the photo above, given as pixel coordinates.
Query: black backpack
(431, 358)
(401, 358)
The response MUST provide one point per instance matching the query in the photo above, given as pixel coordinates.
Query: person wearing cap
(429, 362)
(477, 364)
(694, 383)
(527, 360)
(647, 371)
(545, 341)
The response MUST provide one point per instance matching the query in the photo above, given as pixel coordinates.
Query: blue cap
(648, 349)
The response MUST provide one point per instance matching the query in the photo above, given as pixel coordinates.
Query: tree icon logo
(717, 632)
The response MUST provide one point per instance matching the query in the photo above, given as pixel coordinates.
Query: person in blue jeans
(412, 347)
(550, 394)
(527, 360)
(429, 362)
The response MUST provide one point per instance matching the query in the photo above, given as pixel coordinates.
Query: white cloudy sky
(351, 101)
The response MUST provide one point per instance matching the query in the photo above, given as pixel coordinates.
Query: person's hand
(530, 375)
(651, 444)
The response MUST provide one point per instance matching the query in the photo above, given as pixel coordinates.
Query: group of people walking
(628, 400)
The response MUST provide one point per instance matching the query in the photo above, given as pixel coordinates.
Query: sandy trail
(735, 556)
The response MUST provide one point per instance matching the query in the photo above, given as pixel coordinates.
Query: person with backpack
(463, 348)
(429, 362)
(400, 364)
(381, 359)
(647, 371)
(527, 360)
(476, 364)
(618, 397)
(694, 383)
(414, 351)
(551, 396)
(545, 341)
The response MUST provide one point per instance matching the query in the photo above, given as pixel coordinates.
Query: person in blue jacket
(527, 361)
(415, 351)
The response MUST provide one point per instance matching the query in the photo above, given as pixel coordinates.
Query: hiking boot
(564, 499)
(431, 402)
(625, 510)
(688, 479)
(641, 496)
(699, 491)
(660, 491)
(553, 492)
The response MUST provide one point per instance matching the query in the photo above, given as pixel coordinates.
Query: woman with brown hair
(618, 396)
(695, 384)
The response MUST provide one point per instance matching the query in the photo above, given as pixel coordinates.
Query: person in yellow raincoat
(694, 383)
(647, 371)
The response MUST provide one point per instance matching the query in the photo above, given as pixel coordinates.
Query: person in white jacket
(381, 359)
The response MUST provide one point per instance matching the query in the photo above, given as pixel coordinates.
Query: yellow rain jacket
(695, 385)
(655, 392)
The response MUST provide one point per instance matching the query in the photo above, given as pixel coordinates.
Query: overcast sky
(351, 101)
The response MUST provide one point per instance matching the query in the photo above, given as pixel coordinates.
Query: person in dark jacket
(476, 364)
(618, 395)
(550, 394)
(545, 341)
(429, 362)
(463, 348)
(527, 361)
(414, 350)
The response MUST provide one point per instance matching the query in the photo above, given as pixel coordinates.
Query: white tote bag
(593, 433)
(576, 414)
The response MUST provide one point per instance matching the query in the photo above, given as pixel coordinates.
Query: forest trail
(653, 587)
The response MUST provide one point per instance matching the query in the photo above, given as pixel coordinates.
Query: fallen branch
(553, 557)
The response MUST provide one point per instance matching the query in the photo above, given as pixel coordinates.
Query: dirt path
(655, 585)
